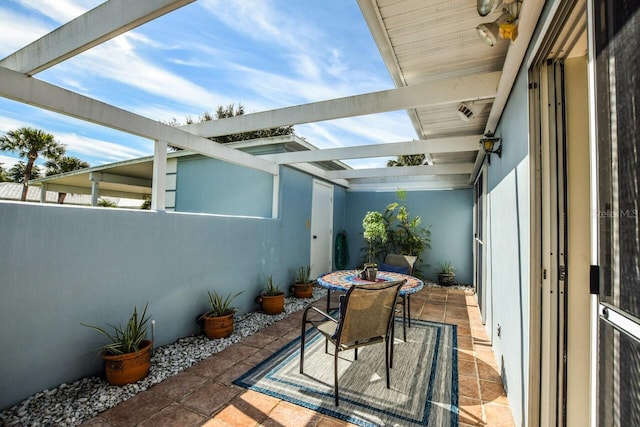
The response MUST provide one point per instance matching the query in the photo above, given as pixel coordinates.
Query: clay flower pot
(218, 326)
(271, 304)
(127, 368)
(302, 290)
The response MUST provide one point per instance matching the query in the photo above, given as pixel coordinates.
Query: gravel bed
(72, 404)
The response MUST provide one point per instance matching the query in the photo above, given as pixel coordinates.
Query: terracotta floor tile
(288, 415)
(327, 421)
(258, 340)
(466, 354)
(96, 422)
(258, 357)
(493, 392)
(488, 372)
(465, 342)
(237, 352)
(233, 373)
(176, 387)
(277, 330)
(277, 344)
(135, 410)
(498, 415)
(210, 398)
(467, 367)
(464, 331)
(468, 387)
(174, 416)
(211, 367)
(248, 409)
(470, 412)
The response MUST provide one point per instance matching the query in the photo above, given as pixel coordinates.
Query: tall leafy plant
(374, 231)
(404, 234)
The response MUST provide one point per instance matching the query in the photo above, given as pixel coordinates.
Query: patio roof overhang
(430, 50)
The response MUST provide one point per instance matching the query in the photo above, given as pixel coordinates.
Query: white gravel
(72, 404)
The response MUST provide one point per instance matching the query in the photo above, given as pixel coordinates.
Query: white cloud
(7, 162)
(8, 123)
(110, 151)
(61, 11)
(18, 30)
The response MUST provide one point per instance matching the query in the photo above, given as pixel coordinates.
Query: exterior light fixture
(504, 27)
(486, 6)
(489, 142)
(465, 112)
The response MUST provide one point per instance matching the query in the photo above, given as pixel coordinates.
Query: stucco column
(158, 190)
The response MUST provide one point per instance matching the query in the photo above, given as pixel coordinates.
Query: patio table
(342, 280)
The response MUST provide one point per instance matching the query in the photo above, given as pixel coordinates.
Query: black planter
(445, 279)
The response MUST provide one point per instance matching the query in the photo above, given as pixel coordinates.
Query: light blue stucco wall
(449, 214)
(209, 185)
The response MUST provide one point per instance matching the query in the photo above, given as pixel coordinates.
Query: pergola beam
(98, 25)
(430, 146)
(456, 89)
(29, 90)
(447, 169)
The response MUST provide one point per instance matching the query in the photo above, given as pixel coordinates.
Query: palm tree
(29, 143)
(62, 165)
(16, 172)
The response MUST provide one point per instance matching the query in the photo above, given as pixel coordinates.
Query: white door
(321, 228)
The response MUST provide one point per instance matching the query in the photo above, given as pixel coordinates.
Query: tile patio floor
(204, 396)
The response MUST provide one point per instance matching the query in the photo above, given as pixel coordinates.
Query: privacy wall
(65, 265)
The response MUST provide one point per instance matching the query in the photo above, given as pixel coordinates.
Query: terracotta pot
(445, 279)
(302, 290)
(128, 368)
(218, 326)
(272, 304)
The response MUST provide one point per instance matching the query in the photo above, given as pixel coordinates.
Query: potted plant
(127, 357)
(374, 228)
(302, 287)
(272, 298)
(446, 274)
(218, 322)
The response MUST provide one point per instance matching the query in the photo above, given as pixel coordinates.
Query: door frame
(480, 276)
(315, 184)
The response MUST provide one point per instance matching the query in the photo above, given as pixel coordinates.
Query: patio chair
(366, 317)
(401, 264)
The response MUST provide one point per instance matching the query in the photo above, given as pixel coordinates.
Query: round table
(342, 280)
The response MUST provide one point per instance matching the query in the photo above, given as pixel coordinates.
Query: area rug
(424, 378)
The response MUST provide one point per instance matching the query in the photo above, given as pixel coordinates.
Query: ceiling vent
(465, 112)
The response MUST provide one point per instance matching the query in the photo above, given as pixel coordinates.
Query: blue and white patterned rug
(424, 378)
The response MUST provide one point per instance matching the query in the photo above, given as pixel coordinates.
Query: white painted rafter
(430, 146)
(29, 90)
(396, 171)
(456, 89)
(98, 25)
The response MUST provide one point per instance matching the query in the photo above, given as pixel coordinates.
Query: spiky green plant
(125, 339)
(220, 305)
(271, 288)
(304, 274)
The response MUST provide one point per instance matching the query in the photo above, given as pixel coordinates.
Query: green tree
(62, 165)
(408, 160)
(105, 203)
(231, 111)
(30, 143)
(4, 177)
(17, 171)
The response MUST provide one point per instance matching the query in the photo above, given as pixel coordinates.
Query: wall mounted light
(489, 142)
(504, 27)
(486, 6)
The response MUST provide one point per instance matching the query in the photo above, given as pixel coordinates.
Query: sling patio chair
(403, 264)
(367, 315)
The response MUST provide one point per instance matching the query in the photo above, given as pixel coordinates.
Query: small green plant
(447, 268)
(374, 227)
(221, 306)
(125, 339)
(272, 289)
(304, 274)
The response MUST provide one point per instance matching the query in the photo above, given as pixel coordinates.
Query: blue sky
(264, 54)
